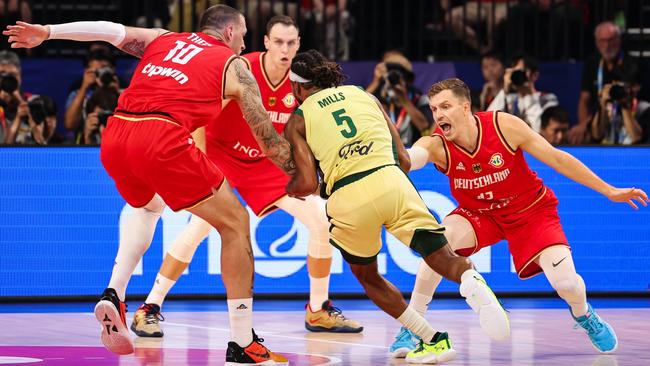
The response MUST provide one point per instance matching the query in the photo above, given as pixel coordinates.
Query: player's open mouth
(445, 127)
(284, 59)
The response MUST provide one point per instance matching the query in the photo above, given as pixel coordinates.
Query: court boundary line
(332, 360)
(280, 336)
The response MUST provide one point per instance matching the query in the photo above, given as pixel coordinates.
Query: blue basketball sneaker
(600, 333)
(405, 342)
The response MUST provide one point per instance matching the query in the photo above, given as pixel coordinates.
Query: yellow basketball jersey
(347, 132)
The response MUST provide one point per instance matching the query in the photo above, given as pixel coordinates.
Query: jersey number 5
(182, 53)
(350, 130)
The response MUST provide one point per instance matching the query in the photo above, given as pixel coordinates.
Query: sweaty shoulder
(513, 129)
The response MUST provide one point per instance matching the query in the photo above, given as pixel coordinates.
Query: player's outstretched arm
(129, 39)
(428, 149)
(304, 182)
(519, 135)
(241, 86)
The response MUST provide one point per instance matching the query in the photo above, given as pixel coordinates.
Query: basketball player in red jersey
(499, 197)
(178, 86)
(234, 149)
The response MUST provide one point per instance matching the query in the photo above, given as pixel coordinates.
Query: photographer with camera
(519, 95)
(24, 118)
(99, 73)
(621, 119)
(99, 107)
(405, 104)
(610, 63)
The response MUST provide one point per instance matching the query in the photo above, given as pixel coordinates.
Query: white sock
(426, 283)
(419, 303)
(135, 238)
(318, 292)
(417, 324)
(159, 290)
(240, 312)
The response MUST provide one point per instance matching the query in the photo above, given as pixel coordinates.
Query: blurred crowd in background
(509, 38)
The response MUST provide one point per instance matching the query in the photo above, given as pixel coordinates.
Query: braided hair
(313, 66)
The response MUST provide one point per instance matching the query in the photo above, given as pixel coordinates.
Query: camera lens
(8, 83)
(518, 78)
(394, 77)
(37, 109)
(103, 117)
(617, 92)
(105, 75)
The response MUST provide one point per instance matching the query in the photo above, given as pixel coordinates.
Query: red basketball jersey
(493, 179)
(180, 75)
(230, 134)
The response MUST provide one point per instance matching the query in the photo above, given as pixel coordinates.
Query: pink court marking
(99, 356)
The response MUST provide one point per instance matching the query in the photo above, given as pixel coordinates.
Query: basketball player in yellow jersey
(363, 163)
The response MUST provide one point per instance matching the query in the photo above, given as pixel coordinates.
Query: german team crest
(496, 160)
(272, 101)
(289, 100)
(476, 168)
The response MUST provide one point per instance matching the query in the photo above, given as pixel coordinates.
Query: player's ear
(267, 42)
(228, 32)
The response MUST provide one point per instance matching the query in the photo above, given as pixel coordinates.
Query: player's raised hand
(25, 35)
(629, 195)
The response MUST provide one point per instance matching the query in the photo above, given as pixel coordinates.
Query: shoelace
(420, 347)
(404, 335)
(592, 325)
(152, 317)
(334, 311)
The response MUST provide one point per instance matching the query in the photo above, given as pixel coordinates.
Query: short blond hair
(457, 87)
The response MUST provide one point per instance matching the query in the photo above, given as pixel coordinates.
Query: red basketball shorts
(151, 154)
(528, 233)
(260, 182)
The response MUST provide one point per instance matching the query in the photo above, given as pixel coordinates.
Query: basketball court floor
(196, 333)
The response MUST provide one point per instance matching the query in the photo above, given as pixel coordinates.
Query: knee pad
(319, 249)
(188, 241)
(311, 213)
(572, 286)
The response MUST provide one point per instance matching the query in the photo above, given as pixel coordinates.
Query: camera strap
(3, 119)
(600, 77)
(400, 118)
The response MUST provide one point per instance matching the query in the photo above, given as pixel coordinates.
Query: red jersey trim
(139, 119)
(266, 77)
(248, 62)
(531, 260)
(539, 197)
(272, 207)
(479, 141)
(447, 155)
(500, 134)
(223, 75)
(202, 200)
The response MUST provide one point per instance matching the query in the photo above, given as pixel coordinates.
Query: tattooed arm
(242, 87)
(137, 40)
(129, 39)
(305, 181)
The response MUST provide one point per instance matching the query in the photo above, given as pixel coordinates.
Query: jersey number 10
(182, 53)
